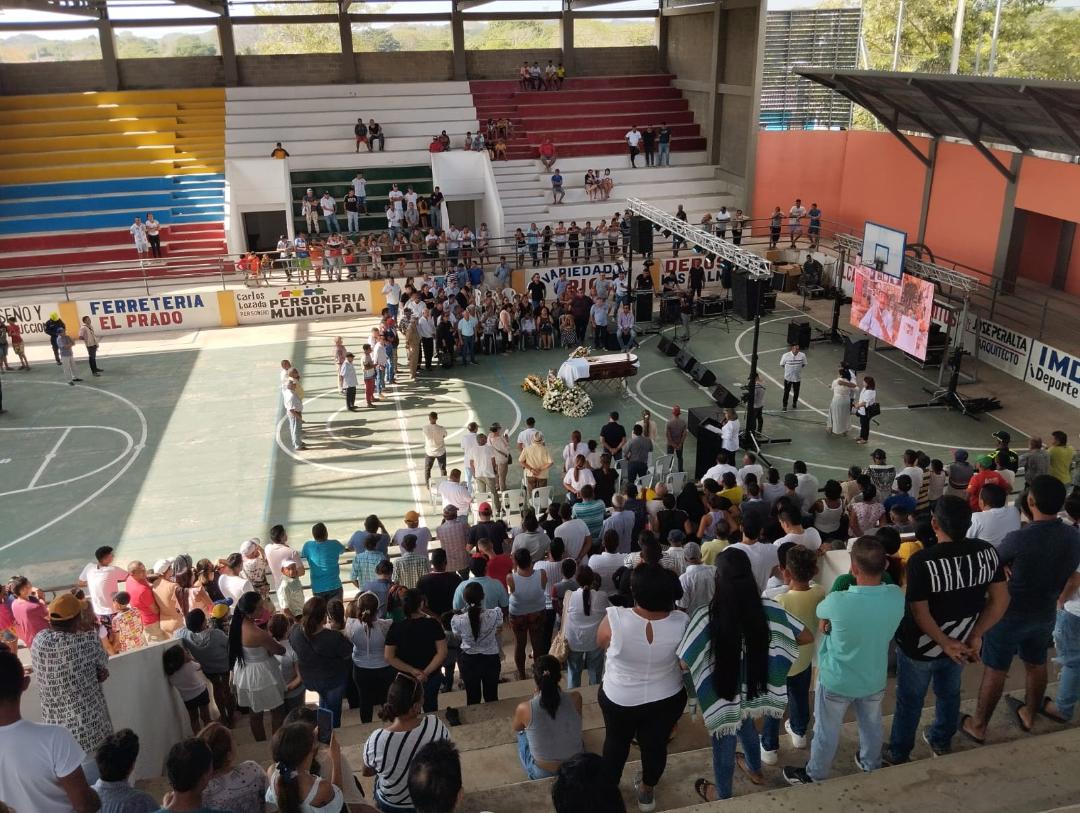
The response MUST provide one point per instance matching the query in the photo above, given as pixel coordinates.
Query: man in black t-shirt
(956, 591)
(613, 436)
(696, 280)
(537, 293)
(438, 586)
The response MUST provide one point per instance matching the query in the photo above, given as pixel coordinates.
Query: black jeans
(427, 347)
(864, 427)
(651, 724)
(430, 461)
(372, 685)
(756, 418)
(91, 351)
(792, 387)
(155, 244)
(350, 397)
(481, 676)
(580, 327)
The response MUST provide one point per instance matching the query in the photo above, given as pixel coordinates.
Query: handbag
(873, 410)
(559, 649)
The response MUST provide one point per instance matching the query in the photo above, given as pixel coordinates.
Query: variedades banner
(31, 318)
(151, 313)
(296, 303)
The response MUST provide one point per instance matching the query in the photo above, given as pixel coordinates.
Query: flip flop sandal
(755, 778)
(1015, 704)
(968, 734)
(1057, 718)
(701, 788)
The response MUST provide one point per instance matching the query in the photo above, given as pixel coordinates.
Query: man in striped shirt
(410, 566)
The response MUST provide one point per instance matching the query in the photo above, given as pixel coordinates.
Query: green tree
(194, 45)
(614, 33)
(513, 35)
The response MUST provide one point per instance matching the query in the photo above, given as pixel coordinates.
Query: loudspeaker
(856, 353)
(747, 294)
(643, 307)
(702, 376)
(640, 235)
(684, 361)
(723, 397)
(668, 347)
(798, 333)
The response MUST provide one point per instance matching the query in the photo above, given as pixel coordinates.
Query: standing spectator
(795, 225)
(138, 235)
(115, 760)
(1042, 558)
(153, 234)
(557, 193)
(736, 652)
(142, 599)
(535, 461)
(527, 587)
(994, 520)
(322, 555)
(322, 656)
(102, 578)
(814, 231)
(943, 615)
(40, 764)
(648, 140)
(328, 206)
(67, 355)
(209, 646)
(858, 625)
(1036, 460)
(359, 186)
(416, 646)
(352, 212)
(256, 674)
(638, 449)
(613, 436)
(294, 408)
(633, 140)
(309, 208)
(371, 674)
(127, 631)
(793, 362)
(69, 667)
(90, 342)
(479, 629)
(675, 435)
(776, 224)
(434, 445)
(642, 695)
(664, 140)
(583, 611)
(1061, 453)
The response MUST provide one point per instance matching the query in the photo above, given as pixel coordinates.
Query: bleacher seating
(339, 181)
(315, 124)
(76, 169)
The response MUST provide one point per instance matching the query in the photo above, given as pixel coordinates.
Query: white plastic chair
(512, 502)
(540, 499)
(644, 481)
(662, 466)
(433, 491)
(478, 498)
(675, 481)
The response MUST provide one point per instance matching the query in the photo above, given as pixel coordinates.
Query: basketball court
(181, 445)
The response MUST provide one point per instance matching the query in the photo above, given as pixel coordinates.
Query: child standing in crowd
(255, 567)
(185, 675)
(290, 592)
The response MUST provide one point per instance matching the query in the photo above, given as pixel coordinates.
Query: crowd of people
(710, 599)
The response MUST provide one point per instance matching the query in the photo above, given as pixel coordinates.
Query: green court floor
(185, 450)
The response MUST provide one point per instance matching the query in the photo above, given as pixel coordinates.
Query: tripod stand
(834, 335)
(948, 397)
(752, 439)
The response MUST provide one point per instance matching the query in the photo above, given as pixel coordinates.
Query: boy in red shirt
(984, 474)
(15, 334)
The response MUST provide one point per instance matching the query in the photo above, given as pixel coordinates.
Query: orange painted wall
(1049, 187)
(1039, 250)
(798, 164)
(882, 182)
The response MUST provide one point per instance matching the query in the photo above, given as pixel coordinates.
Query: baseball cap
(485, 508)
(1002, 435)
(65, 607)
(412, 516)
(985, 460)
(161, 566)
(250, 545)
(220, 610)
(289, 562)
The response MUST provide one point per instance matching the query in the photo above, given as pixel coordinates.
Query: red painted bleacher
(589, 115)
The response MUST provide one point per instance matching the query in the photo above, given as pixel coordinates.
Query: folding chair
(540, 499)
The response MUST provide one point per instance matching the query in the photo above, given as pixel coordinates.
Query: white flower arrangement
(580, 352)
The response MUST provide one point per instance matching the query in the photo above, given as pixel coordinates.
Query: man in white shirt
(396, 198)
(231, 580)
(480, 460)
(633, 141)
(456, 493)
(751, 466)
(572, 449)
(294, 408)
(912, 470)
(763, 556)
(723, 464)
(795, 216)
(605, 564)
(329, 211)
(729, 434)
(347, 382)
(807, 489)
(698, 580)
(392, 291)
(526, 435)
(791, 524)
(575, 535)
(40, 765)
(102, 581)
(994, 519)
(359, 186)
(468, 443)
(793, 362)
(722, 218)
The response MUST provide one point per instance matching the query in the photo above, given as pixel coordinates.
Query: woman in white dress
(256, 673)
(839, 419)
(138, 233)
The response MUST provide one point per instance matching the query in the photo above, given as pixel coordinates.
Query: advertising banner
(152, 313)
(302, 302)
(680, 266)
(1054, 371)
(31, 317)
(998, 346)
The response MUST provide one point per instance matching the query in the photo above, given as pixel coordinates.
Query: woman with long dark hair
(479, 631)
(371, 673)
(736, 653)
(322, 656)
(583, 611)
(293, 788)
(256, 673)
(548, 726)
(417, 647)
(389, 751)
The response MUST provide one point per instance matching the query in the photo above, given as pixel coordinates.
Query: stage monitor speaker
(856, 353)
(641, 232)
(668, 347)
(643, 307)
(747, 295)
(798, 333)
(685, 361)
(724, 398)
(702, 375)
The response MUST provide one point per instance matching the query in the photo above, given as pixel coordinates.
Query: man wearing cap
(412, 526)
(985, 474)
(675, 434)
(698, 580)
(69, 667)
(453, 536)
(535, 461)
(493, 530)
(40, 764)
(1004, 457)
(480, 458)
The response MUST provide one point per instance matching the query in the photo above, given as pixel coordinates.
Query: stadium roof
(1028, 114)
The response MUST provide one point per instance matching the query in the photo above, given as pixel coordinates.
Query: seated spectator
(500, 149)
(291, 782)
(583, 786)
(547, 153)
(375, 133)
(994, 519)
(435, 778)
(444, 139)
(435, 145)
(466, 142)
(548, 726)
(238, 788)
(115, 760)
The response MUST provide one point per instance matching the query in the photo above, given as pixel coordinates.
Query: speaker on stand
(641, 235)
(798, 333)
(856, 353)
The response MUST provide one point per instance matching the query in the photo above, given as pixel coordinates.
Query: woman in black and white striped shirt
(389, 752)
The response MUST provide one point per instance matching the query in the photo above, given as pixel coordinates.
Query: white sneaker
(769, 757)
(796, 740)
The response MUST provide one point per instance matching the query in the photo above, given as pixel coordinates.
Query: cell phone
(324, 720)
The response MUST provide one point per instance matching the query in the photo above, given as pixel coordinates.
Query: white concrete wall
(254, 185)
(463, 175)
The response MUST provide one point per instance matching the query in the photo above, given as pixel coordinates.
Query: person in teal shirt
(857, 625)
(495, 595)
(322, 556)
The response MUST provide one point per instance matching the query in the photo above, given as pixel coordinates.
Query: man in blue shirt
(502, 274)
(322, 555)
(902, 498)
(857, 625)
(495, 595)
(466, 327)
(476, 274)
(557, 193)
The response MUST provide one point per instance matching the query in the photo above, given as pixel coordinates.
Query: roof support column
(1010, 233)
(227, 43)
(457, 39)
(108, 50)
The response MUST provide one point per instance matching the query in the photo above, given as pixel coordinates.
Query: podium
(701, 422)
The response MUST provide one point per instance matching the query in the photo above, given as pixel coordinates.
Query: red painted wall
(798, 164)
(1072, 281)
(1038, 253)
(881, 176)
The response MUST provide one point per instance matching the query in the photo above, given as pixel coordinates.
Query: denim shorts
(1028, 636)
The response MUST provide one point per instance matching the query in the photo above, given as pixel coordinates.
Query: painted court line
(414, 480)
(48, 458)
